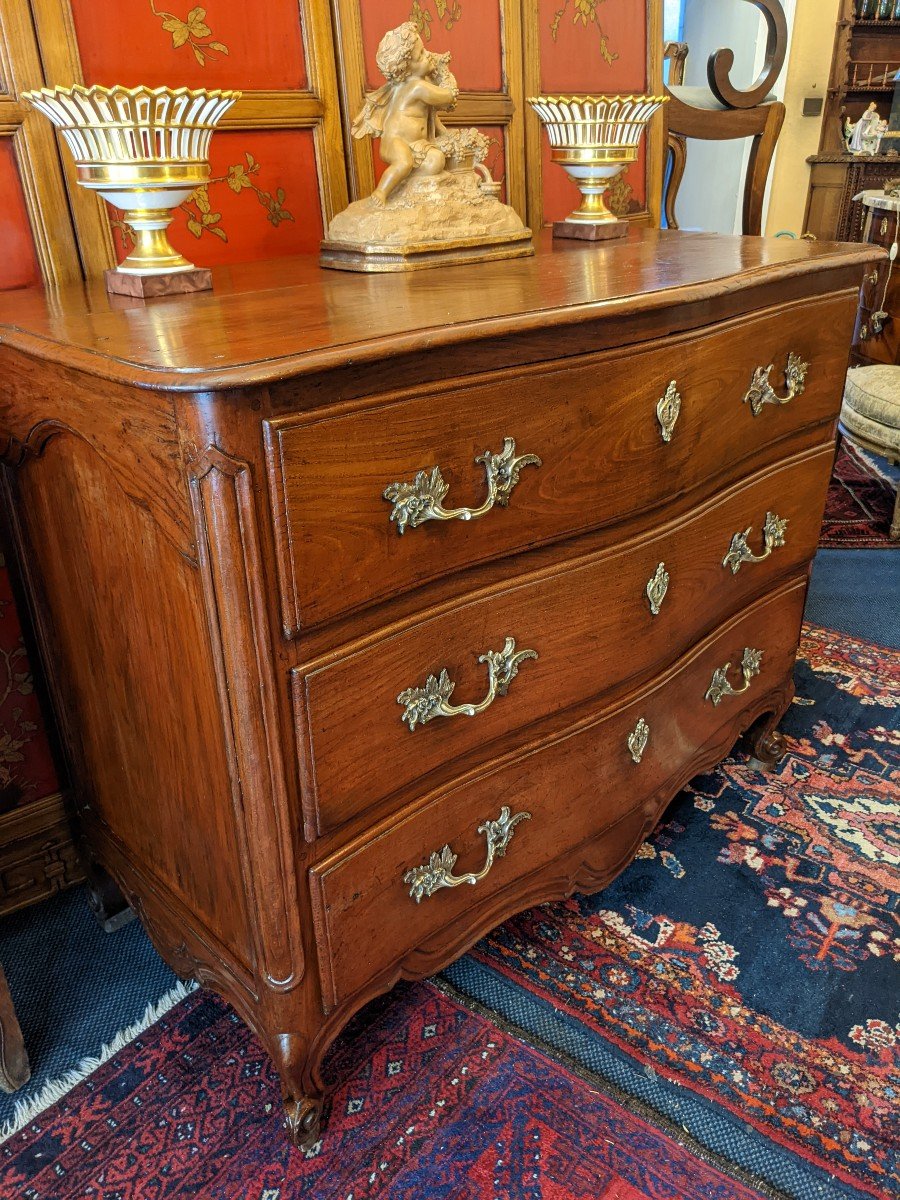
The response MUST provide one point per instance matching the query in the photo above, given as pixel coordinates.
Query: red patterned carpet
(719, 1024)
(433, 1101)
(860, 502)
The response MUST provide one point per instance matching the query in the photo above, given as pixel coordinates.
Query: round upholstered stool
(870, 416)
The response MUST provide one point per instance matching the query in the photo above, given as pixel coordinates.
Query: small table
(14, 1068)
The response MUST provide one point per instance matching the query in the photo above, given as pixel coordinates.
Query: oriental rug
(722, 1021)
(860, 501)
(742, 975)
(432, 1100)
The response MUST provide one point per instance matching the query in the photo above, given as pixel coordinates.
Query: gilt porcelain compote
(594, 138)
(144, 150)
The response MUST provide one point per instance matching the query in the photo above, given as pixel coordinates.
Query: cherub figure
(403, 112)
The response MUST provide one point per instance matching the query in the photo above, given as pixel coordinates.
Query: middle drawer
(593, 624)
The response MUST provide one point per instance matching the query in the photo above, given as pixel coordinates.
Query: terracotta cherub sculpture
(403, 112)
(436, 201)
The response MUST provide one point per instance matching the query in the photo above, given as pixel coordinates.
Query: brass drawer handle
(638, 739)
(719, 688)
(761, 391)
(421, 705)
(422, 500)
(774, 530)
(656, 589)
(437, 873)
(667, 410)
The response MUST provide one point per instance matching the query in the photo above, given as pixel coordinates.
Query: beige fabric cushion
(872, 404)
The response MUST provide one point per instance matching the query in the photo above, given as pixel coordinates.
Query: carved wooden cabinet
(357, 589)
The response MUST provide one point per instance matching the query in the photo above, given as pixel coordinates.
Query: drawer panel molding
(591, 621)
(578, 786)
(599, 424)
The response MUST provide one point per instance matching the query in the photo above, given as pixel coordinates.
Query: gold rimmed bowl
(144, 150)
(594, 138)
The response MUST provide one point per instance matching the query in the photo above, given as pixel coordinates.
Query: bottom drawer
(379, 899)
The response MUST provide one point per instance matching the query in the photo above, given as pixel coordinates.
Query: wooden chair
(14, 1068)
(724, 113)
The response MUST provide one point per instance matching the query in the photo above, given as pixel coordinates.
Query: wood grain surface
(264, 321)
(191, 480)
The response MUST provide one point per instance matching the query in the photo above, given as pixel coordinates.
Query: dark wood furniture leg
(109, 906)
(14, 1068)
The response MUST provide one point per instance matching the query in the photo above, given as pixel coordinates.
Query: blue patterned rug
(742, 975)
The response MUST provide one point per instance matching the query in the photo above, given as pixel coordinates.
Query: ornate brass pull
(774, 529)
(437, 873)
(719, 688)
(422, 500)
(761, 391)
(657, 586)
(421, 705)
(667, 410)
(638, 739)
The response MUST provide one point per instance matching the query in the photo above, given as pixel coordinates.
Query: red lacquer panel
(597, 46)
(18, 262)
(593, 45)
(26, 766)
(262, 206)
(561, 195)
(217, 43)
(468, 29)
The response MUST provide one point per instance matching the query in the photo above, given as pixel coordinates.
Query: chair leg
(14, 1068)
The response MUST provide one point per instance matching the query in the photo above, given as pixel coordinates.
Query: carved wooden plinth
(147, 287)
(375, 259)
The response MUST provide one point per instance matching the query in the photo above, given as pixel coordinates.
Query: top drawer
(609, 446)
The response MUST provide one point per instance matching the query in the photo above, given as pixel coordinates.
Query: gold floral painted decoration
(585, 13)
(618, 197)
(190, 32)
(203, 218)
(449, 12)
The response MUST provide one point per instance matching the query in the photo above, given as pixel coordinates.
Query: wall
(807, 75)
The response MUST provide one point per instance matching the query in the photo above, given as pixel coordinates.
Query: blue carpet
(74, 987)
(857, 592)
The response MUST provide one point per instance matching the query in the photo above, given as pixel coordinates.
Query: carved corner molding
(231, 567)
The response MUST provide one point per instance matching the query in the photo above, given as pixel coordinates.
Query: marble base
(605, 232)
(146, 287)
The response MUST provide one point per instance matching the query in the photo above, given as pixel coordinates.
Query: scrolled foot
(304, 1121)
(768, 750)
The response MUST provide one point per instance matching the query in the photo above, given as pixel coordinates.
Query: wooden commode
(378, 609)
